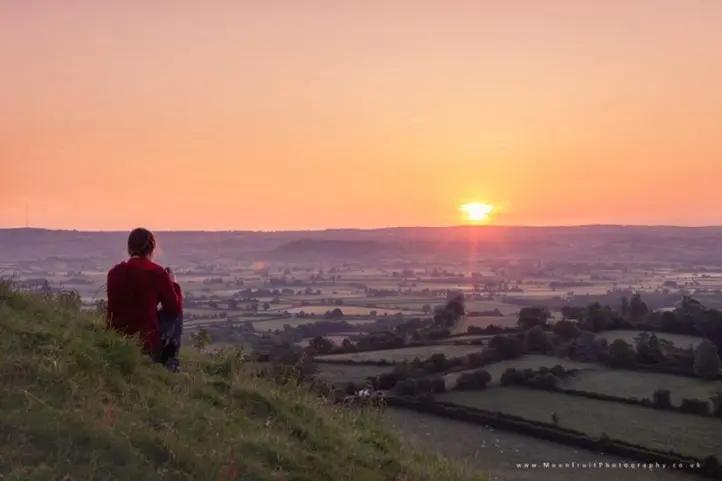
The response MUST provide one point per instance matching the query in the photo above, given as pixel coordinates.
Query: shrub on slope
(80, 403)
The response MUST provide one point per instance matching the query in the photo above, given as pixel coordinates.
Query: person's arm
(179, 294)
(170, 298)
(176, 287)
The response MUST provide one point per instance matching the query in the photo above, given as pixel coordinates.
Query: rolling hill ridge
(79, 402)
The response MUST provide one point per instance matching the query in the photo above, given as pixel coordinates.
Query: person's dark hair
(141, 242)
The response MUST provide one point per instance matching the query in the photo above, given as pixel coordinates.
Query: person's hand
(171, 274)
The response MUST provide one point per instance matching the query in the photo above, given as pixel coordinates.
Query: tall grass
(78, 402)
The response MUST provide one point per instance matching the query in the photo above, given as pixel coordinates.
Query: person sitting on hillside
(135, 289)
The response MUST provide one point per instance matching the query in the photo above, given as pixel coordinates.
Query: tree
(406, 387)
(575, 313)
(508, 347)
(438, 384)
(625, 306)
(716, 398)
(567, 330)
(686, 318)
(475, 359)
(455, 304)
(711, 465)
(537, 340)
(694, 406)
(598, 317)
(637, 308)
(586, 348)
(710, 326)
(336, 313)
(533, 316)
(452, 312)
(621, 354)
(379, 340)
(386, 381)
(648, 349)
(661, 399)
(543, 378)
(348, 346)
(512, 376)
(438, 362)
(691, 305)
(320, 345)
(604, 441)
(655, 348)
(473, 380)
(668, 322)
(543, 381)
(706, 360)
(436, 333)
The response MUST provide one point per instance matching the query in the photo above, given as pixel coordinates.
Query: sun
(476, 211)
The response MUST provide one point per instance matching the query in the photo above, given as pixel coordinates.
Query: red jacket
(135, 287)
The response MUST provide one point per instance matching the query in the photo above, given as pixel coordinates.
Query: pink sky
(289, 115)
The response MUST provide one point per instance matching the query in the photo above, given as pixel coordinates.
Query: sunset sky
(298, 114)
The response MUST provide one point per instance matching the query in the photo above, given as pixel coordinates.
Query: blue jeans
(171, 332)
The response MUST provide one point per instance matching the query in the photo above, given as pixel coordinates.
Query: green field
(531, 361)
(396, 302)
(663, 430)
(404, 354)
(679, 340)
(496, 452)
(343, 373)
(617, 382)
(274, 324)
(348, 310)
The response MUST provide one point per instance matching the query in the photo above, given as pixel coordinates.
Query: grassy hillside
(78, 403)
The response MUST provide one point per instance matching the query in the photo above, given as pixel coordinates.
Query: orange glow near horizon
(476, 212)
(304, 114)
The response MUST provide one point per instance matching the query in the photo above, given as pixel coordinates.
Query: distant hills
(700, 245)
(322, 248)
